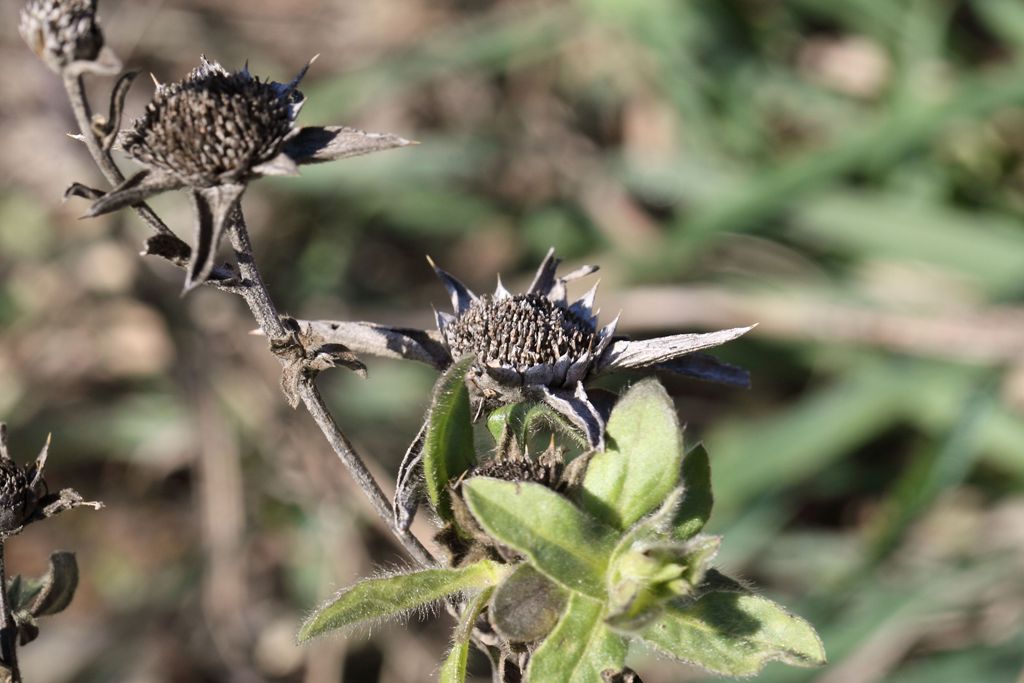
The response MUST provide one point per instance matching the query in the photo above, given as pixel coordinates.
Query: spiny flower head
(519, 331)
(215, 126)
(61, 31)
(535, 346)
(214, 131)
(532, 345)
(24, 496)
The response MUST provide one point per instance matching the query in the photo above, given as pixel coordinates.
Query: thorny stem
(8, 629)
(257, 297)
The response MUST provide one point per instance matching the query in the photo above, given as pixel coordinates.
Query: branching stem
(75, 87)
(256, 295)
(252, 289)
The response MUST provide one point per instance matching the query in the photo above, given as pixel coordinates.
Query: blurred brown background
(849, 175)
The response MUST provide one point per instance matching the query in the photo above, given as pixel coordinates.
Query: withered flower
(212, 133)
(24, 496)
(535, 346)
(65, 34)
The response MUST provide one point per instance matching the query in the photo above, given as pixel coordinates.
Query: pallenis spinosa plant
(576, 532)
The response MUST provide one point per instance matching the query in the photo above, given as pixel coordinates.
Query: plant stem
(257, 297)
(75, 87)
(318, 410)
(8, 629)
(255, 294)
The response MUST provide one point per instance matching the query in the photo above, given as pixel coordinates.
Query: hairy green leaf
(734, 634)
(391, 597)
(448, 444)
(579, 648)
(564, 543)
(694, 511)
(642, 581)
(642, 462)
(454, 668)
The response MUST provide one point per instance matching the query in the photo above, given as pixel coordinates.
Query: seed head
(14, 495)
(61, 31)
(523, 469)
(519, 331)
(214, 127)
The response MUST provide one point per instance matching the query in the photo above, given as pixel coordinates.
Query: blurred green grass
(863, 157)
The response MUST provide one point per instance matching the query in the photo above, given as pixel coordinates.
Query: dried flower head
(14, 495)
(519, 331)
(61, 32)
(535, 346)
(24, 496)
(213, 132)
(214, 127)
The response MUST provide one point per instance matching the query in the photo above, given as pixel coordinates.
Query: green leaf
(564, 543)
(642, 462)
(526, 605)
(649, 567)
(734, 634)
(377, 599)
(694, 511)
(454, 668)
(448, 444)
(579, 648)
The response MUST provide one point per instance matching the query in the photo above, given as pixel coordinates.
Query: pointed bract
(382, 341)
(214, 206)
(584, 306)
(409, 483)
(704, 366)
(461, 296)
(134, 190)
(625, 354)
(577, 408)
(314, 144)
(544, 280)
(500, 292)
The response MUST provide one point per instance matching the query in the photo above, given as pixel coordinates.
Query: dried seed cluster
(13, 495)
(521, 469)
(213, 126)
(521, 331)
(61, 31)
